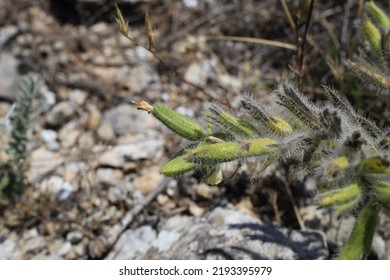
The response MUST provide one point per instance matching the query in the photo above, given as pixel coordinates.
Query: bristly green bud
(359, 242)
(334, 167)
(181, 125)
(178, 166)
(341, 162)
(231, 123)
(373, 35)
(279, 126)
(229, 151)
(215, 153)
(375, 165)
(379, 15)
(335, 196)
(273, 123)
(346, 206)
(257, 147)
(342, 199)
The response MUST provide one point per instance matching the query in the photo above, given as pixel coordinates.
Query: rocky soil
(94, 189)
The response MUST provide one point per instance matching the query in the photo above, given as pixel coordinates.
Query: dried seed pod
(181, 125)
(123, 25)
(178, 166)
(150, 32)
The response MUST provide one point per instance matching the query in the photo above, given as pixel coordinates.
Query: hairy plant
(347, 152)
(16, 126)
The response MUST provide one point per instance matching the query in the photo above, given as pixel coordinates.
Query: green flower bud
(334, 167)
(178, 166)
(273, 123)
(279, 126)
(375, 165)
(341, 162)
(229, 151)
(343, 199)
(257, 147)
(231, 123)
(215, 153)
(181, 125)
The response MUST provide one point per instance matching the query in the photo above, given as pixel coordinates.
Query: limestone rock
(121, 154)
(126, 119)
(8, 74)
(61, 113)
(133, 244)
(69, 134)
(108, 177)
(231, 234)
(106, 133)
(42, 161)
(7, 247)
(147, 181)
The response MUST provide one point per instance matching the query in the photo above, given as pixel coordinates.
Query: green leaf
(359, 242)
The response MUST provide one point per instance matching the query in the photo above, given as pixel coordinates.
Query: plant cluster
(15, 127)
(347, 152)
